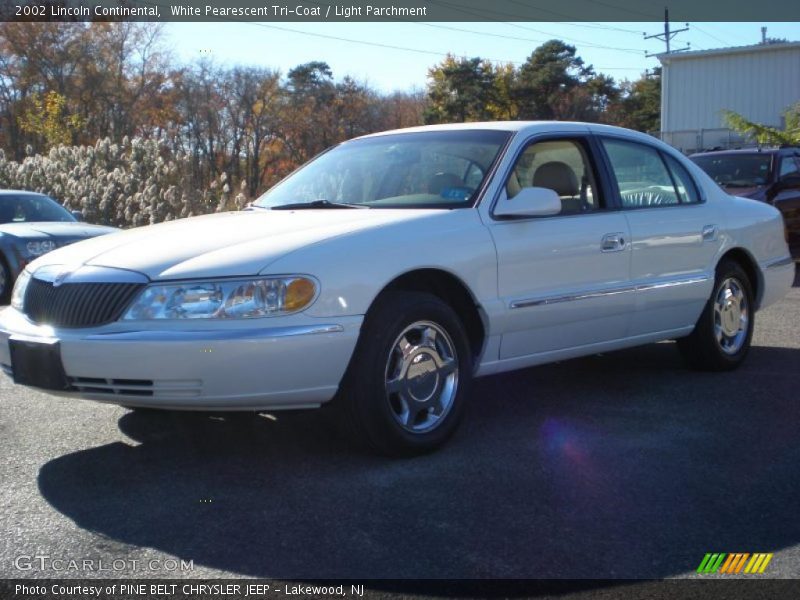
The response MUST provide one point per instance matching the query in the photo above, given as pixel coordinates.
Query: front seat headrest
(557, 176)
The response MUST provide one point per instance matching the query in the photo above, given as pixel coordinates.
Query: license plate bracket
(38, 364)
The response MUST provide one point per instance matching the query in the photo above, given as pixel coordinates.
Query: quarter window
(687, 190)
(559, 165)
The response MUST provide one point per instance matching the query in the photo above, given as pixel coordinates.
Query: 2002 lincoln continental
(388, 272)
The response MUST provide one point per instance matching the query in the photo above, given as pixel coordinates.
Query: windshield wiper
(317, 204)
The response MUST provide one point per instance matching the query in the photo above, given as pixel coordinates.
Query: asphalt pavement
(624, 465)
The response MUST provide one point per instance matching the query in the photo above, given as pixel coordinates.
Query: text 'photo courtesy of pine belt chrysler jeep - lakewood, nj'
(391, 270)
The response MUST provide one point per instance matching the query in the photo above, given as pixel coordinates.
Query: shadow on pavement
(619, 465)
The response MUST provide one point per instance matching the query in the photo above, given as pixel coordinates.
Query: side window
(641, 175)
(687, 190)
(788, 167)
(562, 166)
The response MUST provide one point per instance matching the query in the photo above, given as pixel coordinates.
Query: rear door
(674, 235)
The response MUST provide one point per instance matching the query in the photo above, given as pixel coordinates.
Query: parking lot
(620, 465)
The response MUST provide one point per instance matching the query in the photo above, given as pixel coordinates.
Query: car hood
(55, 229)
(221, 245)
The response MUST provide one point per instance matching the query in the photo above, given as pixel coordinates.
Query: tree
(46, 116)
(639, 104)
(306, 120)
(461, 89)
(111, 75)
(547, 78)
(253, 97)
(764, 134)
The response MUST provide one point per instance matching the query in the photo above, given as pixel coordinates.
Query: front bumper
(268, 364)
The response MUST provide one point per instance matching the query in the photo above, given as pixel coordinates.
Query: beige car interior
(559, 165)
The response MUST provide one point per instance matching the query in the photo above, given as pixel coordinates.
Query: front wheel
(721, 338)
(405, 389)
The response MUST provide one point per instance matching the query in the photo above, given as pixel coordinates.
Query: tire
(6, 282)
(721, 338)
(406, 402)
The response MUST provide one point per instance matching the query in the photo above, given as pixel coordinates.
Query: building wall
(759, 82)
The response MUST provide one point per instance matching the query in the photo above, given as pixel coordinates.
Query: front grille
(77, 304)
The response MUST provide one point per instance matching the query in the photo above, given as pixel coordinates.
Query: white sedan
(388, 272)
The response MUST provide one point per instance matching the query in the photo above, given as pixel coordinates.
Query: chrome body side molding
(779, 262)
(528, 302)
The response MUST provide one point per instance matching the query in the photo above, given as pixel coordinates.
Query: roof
(511, 126)
(680, 56)
(526, 128)
(492, 125)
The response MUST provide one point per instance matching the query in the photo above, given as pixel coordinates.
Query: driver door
(564, 278)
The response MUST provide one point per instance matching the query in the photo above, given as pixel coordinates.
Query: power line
(667, 36)
(483, 15)
(590, 25)
(709, 34)
(498, 35)
(368, 43)
(403, 48)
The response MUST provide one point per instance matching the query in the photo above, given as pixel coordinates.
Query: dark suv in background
(769, 175)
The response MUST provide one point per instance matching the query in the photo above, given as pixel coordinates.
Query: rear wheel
(6, 282)
(721, 338)
(405, 389)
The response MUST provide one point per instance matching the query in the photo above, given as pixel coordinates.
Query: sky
(362, 50)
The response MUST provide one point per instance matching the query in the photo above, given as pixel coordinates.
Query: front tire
(405, 389)
(721, 338)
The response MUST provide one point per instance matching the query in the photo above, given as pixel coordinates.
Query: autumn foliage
(101, 117)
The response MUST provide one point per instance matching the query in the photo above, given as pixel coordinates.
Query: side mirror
(78, 214)
(529, 202)
(789, 182)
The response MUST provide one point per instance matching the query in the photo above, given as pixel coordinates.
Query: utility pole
(667, 36)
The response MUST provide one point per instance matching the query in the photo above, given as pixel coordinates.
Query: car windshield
(29, 208)
(737, 170)
(432, 169)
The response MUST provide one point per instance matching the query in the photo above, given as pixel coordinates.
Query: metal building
(759, 82)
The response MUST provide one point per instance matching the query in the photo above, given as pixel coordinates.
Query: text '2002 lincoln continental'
(388, 272)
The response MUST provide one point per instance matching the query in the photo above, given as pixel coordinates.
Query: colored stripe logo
(735, 563)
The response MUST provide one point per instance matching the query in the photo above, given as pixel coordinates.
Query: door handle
(613, 242)
(709, 233)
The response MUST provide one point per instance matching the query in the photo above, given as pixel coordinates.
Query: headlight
(37, 248)
(18, 295)
(224, 299)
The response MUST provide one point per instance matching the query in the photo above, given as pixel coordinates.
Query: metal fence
(697, 140)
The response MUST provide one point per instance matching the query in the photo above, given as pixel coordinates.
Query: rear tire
(405, 389)
(721, 338)
(6, 282)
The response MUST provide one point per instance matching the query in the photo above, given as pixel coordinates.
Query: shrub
(137, 182)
